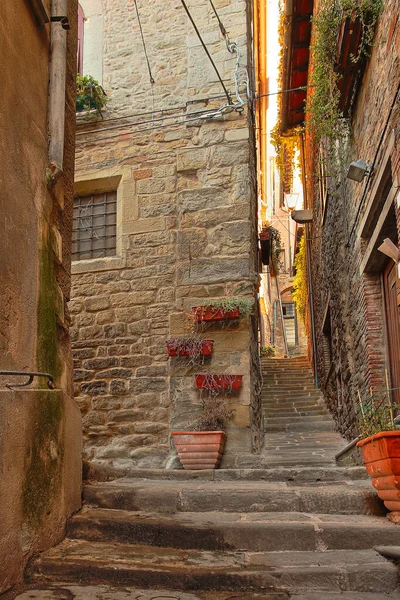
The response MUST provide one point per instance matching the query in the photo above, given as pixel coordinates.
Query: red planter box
(218, 382)
(215, 313)
(264, 235)
(199, 449)
(206, 349)
(381, 453)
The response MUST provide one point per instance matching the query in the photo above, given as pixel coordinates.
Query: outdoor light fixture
(302, 216)
(390, 250)
(358, 170)
(291, 200)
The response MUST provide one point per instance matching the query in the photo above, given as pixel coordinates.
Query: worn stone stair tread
(106, 592)
(302, 427)
(294, 418)
(349, 497)
(345, 596)
(151, 566)
(238, 531)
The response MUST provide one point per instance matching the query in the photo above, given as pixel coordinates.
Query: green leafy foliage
(300, 289)
(376, 414)
(245, 305)
(90, 96)
(323, 112)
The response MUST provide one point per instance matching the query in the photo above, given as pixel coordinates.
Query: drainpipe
(282, 319)
(58, 68)
(308, 259)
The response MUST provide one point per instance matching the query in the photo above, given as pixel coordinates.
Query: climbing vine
(287, 146)
(300, 293)
(323, 113)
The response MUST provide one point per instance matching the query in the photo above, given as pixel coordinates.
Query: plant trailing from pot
(381, 447)
(224, 309)
(271, 246)
(217, 384)
(90, 96)
(193, 347)
(202, 447)
(267, 351)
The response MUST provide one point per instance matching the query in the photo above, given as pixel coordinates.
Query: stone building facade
(178, 159)
(40, 445)
(357, 321)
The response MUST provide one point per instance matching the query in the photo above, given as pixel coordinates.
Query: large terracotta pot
(199, 449)
(381, 453)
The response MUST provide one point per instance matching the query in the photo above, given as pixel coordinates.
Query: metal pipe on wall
(58, 67)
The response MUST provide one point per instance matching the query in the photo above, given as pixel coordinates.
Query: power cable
(221, 25)
(206, 51)
(144, 44)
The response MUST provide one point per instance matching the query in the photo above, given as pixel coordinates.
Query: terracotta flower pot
(199, 449)
(264, 236)
(206, 349)
(206, 381)
(381, 453)
(214, 313)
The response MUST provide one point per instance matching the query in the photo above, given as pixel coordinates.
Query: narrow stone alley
(292, 525)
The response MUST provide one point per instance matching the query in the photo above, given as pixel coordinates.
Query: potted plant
(223, 309)
(192, 346)
(381, 448)
(203, 446)
(267, 351)
(225, 383)
(90, 96)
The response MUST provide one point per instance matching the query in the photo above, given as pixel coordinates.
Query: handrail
(30, 375)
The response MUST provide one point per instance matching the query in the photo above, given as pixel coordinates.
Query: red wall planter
(381, 453)
(205, 381)
(199, 449)
(206, 349)
(214, 313)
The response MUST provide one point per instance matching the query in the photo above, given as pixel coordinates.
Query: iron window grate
(94, 233)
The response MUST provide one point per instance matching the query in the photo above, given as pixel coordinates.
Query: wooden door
(393, 327)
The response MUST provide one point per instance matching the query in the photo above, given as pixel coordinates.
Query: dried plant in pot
(203, 446)
(225, 383)
(223, 309)
(192, 348)
(381, 446)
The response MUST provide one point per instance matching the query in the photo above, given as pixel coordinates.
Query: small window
(94, 231)
(288, 310)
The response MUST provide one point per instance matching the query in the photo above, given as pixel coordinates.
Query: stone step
(63, 590)
(273, 412)
(345, 596)
(275, 394)
(304, 427)
(241, 474)
(293, 418)
(152, 567)
(348, 497)
(258, 532)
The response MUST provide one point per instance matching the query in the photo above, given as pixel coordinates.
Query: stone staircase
(298, 527)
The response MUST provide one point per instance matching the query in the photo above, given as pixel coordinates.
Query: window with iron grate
(94, 233)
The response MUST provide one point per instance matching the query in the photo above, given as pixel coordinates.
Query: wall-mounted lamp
(302, 216)
(291, 200)
(358, 170)
(390, 250)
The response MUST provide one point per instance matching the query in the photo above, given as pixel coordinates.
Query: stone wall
(346, 266)
(186, 210)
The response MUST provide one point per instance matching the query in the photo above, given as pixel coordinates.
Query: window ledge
(108, 263)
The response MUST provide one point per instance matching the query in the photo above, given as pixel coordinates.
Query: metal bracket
(30, 375)
(63, 20)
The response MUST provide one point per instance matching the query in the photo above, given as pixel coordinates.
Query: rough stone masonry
(185, 231)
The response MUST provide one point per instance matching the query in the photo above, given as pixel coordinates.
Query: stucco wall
(38, 428)
(185, 222)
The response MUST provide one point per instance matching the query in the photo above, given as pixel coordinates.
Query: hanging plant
(224, 308)
(90, 96)
(272, 235)
(215, 384)
(322, 109)
(192, 347)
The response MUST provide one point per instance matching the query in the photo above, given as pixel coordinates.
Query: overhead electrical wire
(206, 51)
(221, 25)
(144, 43)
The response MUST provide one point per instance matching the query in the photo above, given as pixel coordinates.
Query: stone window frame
(107, 180)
